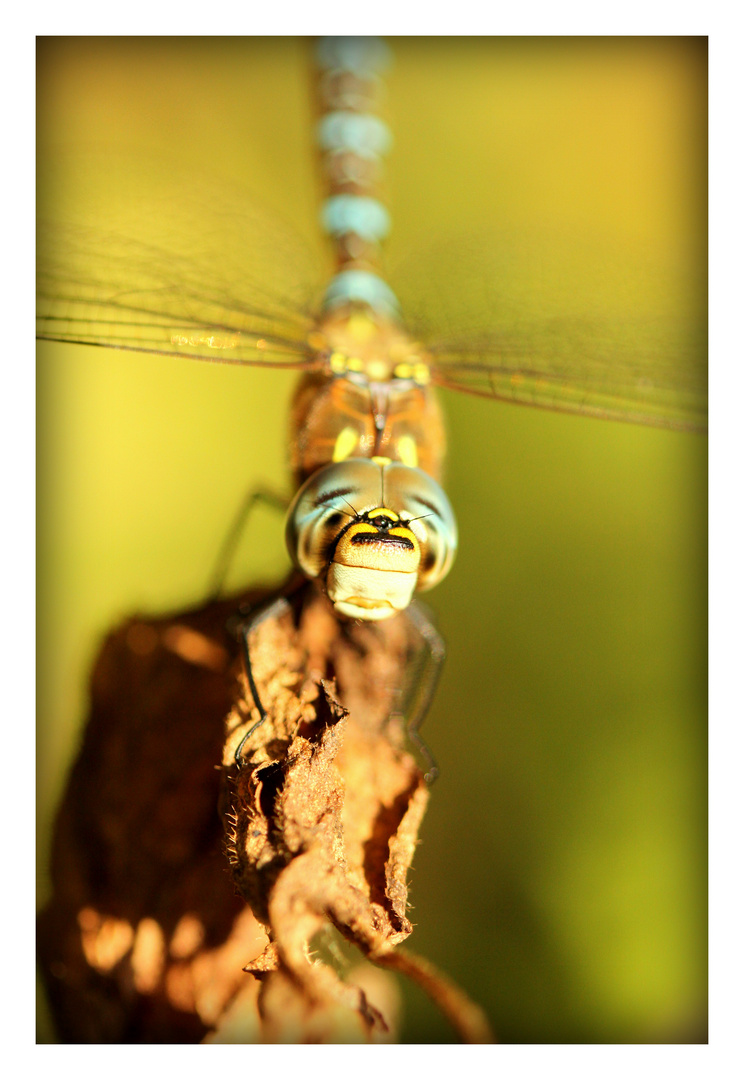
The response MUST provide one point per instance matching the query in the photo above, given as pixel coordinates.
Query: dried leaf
(324, 812)
(145, 939)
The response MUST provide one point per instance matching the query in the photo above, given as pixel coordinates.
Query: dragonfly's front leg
(244, 625)
(422, 680)
(274, 499)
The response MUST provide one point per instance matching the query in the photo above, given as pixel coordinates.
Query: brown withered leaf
(144, 938)
(323, 787)
(323, 814)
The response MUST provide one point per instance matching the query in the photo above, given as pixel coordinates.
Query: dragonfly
(541, 359)
(369, 519)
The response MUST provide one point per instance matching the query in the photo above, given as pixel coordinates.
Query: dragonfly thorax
(357, 340)
(368, 396)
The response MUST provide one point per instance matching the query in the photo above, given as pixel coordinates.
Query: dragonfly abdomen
(353, 140)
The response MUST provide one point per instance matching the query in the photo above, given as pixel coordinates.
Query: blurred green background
(562, 875)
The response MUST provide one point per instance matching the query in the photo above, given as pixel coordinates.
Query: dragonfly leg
(244, 624)
(423, 683)
(230, 543)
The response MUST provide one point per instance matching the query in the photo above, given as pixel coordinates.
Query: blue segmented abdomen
(361, 133)
(358, 214)
(363, 287)
(353, 140)
(360, 55)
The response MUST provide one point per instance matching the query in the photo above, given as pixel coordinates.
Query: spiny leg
(230, 543)
(422, 685)
(245, 624)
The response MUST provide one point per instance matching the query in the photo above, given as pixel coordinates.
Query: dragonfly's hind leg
(244, 623)
(230, 543)
(422, 683)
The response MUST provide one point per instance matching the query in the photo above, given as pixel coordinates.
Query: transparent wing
(604, 381)
(556, 324)
(117, 293)
(151, 263)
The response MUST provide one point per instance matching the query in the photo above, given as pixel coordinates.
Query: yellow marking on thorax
(407, 450)
(360, 326)
(346, 443)
(378, 371)
(421, 373)
(382, 460)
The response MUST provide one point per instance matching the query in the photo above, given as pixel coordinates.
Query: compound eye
(426, 510)
(323, 507)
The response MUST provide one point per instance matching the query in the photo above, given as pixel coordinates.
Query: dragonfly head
(373, 531)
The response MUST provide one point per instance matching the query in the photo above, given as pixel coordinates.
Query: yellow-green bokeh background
(561, 878)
